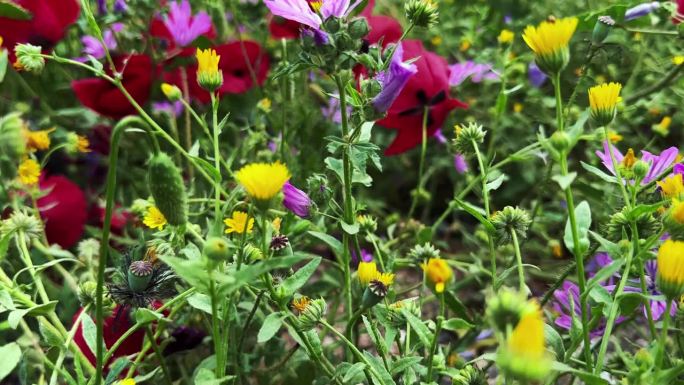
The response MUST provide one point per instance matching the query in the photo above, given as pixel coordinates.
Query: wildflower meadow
(379, 192)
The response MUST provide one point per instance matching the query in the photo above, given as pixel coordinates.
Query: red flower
(385, 28)
(63, 210)
(427, 88)
(46, 27)
(281, 28)
(679, 16)
(236, 71)
(104, 98)
(113, 327)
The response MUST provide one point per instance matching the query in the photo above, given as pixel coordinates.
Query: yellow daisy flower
(154, 218)
(263, 181)
(37, 140)
(208, 74)
(239, 223)
(438, 273)
(366, 272)
(549, 41)
(672, 186)
(506, 36)
(603, 100)
(29, 172)
(670, 277)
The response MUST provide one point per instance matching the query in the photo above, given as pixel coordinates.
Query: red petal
(63, 210)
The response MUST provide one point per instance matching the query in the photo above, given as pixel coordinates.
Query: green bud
(601, 29)
(470, 375)
(421, 13)
(560, 141)
(167, 188)
(12, 142)
(29, 57)
(358, 28)
(510, 219)
(252, 253)
(640, 169)
(423, 252)
(506, 307)
(216, 249)
(172, 92)
(332, 24)
(467, 136)
(312, 315)
(87, 292)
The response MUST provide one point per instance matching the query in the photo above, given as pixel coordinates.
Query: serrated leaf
(404, 363)
(379, 374)
(554, 340)
(417, 326)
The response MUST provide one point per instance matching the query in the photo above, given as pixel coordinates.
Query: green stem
(355, 350)
(518, 259)
(663, 338)
(217, 164)
(160, 356)
(577, 249)
(421, 166)
(618, 174)
(435, 338)
(485, 197)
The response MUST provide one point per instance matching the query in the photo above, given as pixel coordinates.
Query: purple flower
(459, 72)
(535, 75)
(174, 109)
(393, 80)
(120, 6)
(640, 10)
(319, 37)
(183, 26)
(93, 47)
(658, 307)
(657, 163)
(301, 12)
(460, 164)
(333, 112)
(296, 200)
(101, 7)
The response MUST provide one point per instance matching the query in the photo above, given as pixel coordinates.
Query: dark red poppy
(104, 98)
(63, 209)
(236, 70)
(159, 30)
(427, 88)
(46, 27)
(114, 327)
(120, 217)
(281, 28)
(680, 12)
(383, 28)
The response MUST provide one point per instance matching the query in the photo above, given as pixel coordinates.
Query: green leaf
(235, 280)
(609, 247)
(605, 272)
(476, 212)
(89, 333)
(424, 334)
(554, 340)
(354, 373)
(495, 183)
(404, 363)
(201, 302)
(329, 240)
(599, 173)
(379, 374)
(115, 369)
(294, 282)
(205, 376)
(208, 167)
(455, 305)
(564, 181)
(50, 336)
(455, 324)
(11, 355)
(6, 302)
(270, 327)
(588, 378)
(642, 209)
(583, 218)
(14, 11)
(350, 229)
(15, 316)
(144, 316)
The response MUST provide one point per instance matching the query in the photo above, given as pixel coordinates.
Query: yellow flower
(37, 140)
(549, 42)
(678, 60)
(386, 279)
(366, 272)
(154, 218)
(173, 93)
(436, 40)
(264, 105)
(1, 41)
(208, 74)
(678, 211)
(438, 273)
(614, 137)
(672, 186)
(316, 5)
(239, 223)
(524, 355)
(663, 128)
(263, 181)
(83, 144)
(603, 100)
(629, 160)
(301, 303)
(29, 172)
(505, 36)
(465, 45)
(517, 108)
(277, 221)
(670, 278)
(127, 381)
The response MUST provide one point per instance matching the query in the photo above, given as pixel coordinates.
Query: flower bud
(87, 293)
(423, 252)
(12, 142)
(209, 76)
(312, 314)
(29, 57)
(640, 169)
(367, 223)
(167, 188)
(467, 137)
(510, 219)
(216, 249)
(358, 28)
(252, 253)
(601, 29)
(470, 375)
(505, 309)
(560, 141)
(332, 24)
(421, 13)
(172, 92)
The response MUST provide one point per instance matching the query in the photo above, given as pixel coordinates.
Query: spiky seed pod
(252, 253)
(29, 57)
(424, 252)
(510, 219)
(421, 13)
(22, 221)
(168, 190)
(279, 242)
(312, 314)
(470, 375)
(12, 142)
(142, 282)
(619, 224)
(466, 135)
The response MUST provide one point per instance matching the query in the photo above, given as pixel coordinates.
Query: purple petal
(641, 10)
(393, 80)
(295, 10)
(535, 75)
(296, 200)
(658, 163)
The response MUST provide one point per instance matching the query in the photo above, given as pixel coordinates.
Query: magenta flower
(535, 75)
(301, 12)
(296, 200)
(173, 109)
(183, 26)
(93, 47)
(657, 163)
(460, 72)
(393, 80)
(460, 164)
